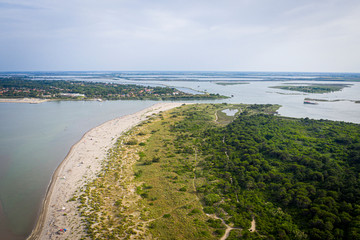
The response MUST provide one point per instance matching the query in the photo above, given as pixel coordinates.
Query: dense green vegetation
(197, 172)
(20, 88)
(300, 178)
(314, 88)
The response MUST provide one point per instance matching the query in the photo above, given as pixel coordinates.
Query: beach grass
(172, 207)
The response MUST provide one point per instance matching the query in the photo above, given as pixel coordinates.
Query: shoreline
(23, 100)
(81, 165)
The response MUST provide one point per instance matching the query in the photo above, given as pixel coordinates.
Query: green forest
(298, 177)
(60, 89)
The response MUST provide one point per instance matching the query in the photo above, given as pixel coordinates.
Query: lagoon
(292, 102)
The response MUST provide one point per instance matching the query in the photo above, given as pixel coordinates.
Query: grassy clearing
(172, 207)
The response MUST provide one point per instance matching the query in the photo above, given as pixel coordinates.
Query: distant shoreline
(23, 100)
(81, 165)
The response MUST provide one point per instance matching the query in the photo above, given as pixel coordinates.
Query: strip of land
(80, 166)
(314, 88)
(23, 100)
(84, 90)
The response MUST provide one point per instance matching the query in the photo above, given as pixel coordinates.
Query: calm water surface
(35, 138)
(292, 102)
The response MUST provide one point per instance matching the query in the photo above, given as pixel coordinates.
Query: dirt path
(228, 228)
(253, 225)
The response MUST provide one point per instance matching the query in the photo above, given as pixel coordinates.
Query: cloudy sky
(208, 35)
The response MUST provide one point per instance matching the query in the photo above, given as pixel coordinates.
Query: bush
(152, 225)
(141, 155)
(215, 223)
(194, 211)
(132, 142)
(209, 210)
(138, 173)
(72, 199)
(211, 199)
(144, 195)
(147, 162)
(219, 232)
(156, 159)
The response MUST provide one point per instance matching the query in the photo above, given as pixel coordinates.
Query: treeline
(299, 178)
(20, 88)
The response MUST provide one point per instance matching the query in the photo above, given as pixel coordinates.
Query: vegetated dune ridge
(81, 165)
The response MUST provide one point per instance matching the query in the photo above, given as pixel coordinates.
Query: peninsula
(195, 172)
(17, 88)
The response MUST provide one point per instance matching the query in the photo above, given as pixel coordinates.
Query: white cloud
(275, 35)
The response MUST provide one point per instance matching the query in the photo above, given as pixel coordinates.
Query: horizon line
(209, 71)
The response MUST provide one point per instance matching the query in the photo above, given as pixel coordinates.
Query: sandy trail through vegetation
(253, 225)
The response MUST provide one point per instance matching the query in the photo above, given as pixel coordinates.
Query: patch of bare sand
(80, 166)
(23, 100)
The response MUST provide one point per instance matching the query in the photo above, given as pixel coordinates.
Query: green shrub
(132, 142)
(211, 199)
(194, 211)
(156, 159)
(209, 210)
(138, 173)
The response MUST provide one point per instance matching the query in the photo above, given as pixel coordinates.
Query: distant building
(72, 95)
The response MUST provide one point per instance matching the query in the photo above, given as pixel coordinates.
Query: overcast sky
(208, 35)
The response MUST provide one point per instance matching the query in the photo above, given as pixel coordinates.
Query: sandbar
(23, 100)
(81, 165)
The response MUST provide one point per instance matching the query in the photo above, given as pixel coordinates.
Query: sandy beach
(80, 166)
(23, 100)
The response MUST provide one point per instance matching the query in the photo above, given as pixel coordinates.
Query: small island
(17, 88)
(314, 88)
(230, 83)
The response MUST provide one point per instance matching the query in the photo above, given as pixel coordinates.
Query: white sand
(23, 100)
(81, 165)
